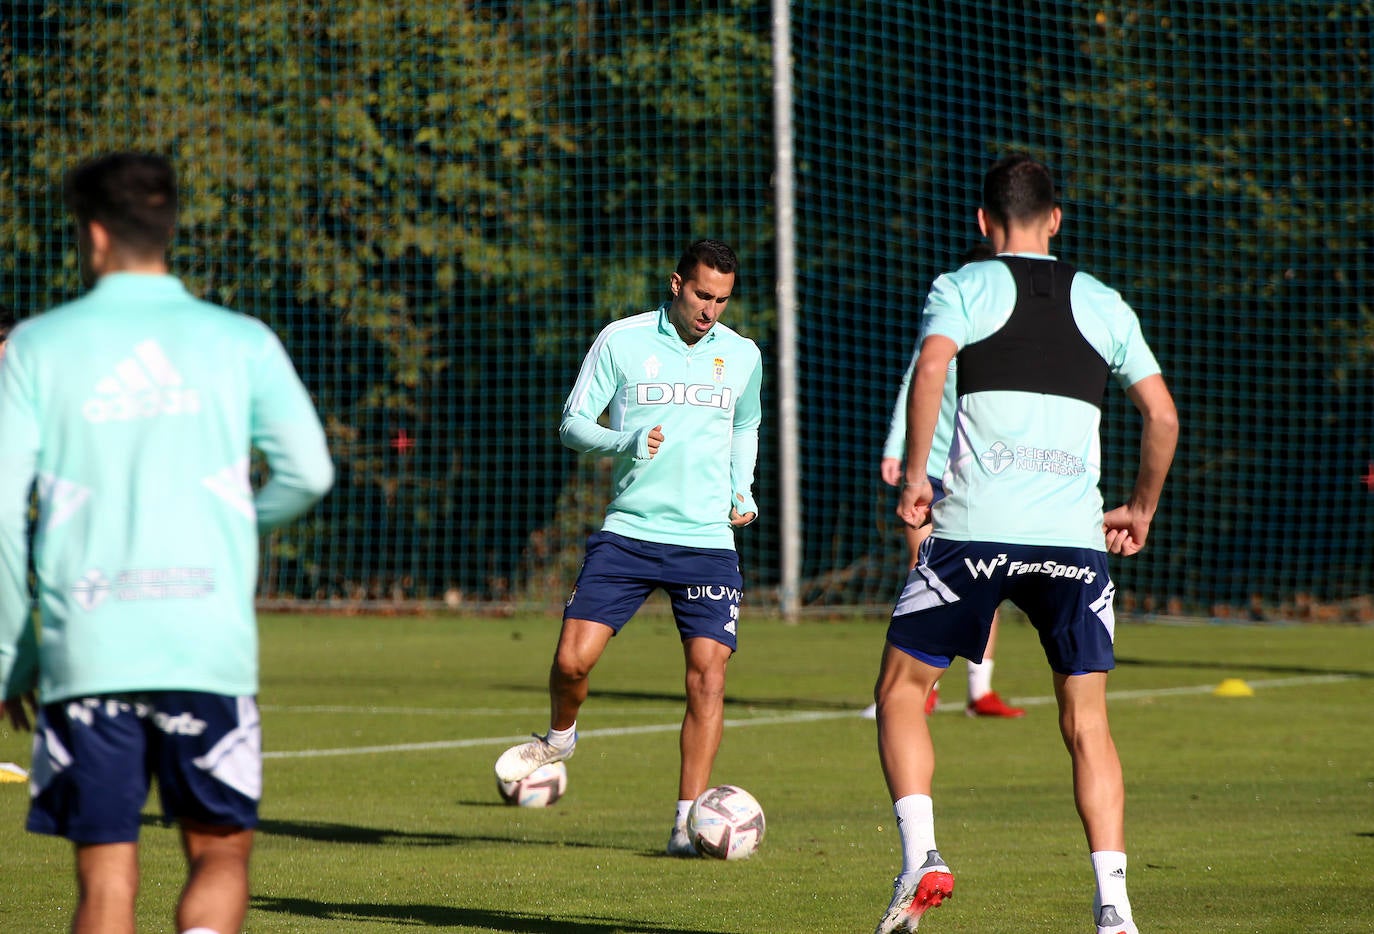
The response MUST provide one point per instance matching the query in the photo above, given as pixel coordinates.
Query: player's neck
(1023, 241)
(1031, 236)
(145, 267)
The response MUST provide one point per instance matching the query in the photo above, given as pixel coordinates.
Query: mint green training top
(134, 408)
(1023, 467)
(705, 395)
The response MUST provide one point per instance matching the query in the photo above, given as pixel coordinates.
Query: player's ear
(98, 237)
(675, 284)
(1056, 217)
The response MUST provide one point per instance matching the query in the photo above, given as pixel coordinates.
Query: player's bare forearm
(1127, 527)
(1158, 441)
(924, 400)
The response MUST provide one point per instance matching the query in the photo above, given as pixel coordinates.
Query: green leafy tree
(402, 192)
(375, 181)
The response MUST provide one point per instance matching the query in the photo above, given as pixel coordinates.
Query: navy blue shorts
(618, 574)
(947, 604)
(94, 758)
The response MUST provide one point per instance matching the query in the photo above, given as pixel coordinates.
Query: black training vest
(1040, 348)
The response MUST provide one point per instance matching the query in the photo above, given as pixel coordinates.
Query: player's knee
(1084, 731)
(216, 844)
(706, 683)
(571, 665)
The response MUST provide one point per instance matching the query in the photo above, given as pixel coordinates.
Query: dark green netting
(437, 205)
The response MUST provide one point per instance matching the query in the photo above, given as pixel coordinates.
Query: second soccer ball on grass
(726, 822)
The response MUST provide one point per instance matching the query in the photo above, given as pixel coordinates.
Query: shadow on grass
(447, 916)
(377, 836)
(326, 832)
(1231, 665)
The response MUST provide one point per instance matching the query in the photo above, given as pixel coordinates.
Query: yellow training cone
(1233, 687)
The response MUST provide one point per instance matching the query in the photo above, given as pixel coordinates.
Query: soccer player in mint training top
(1021, 519)
(682, 393)
(133, 410)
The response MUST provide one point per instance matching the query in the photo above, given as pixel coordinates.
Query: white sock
(562, 739)
(916, 823)
(1109, 866)
(979, 678)
(199, 931)
(680, 820)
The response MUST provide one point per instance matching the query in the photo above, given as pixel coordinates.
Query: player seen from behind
(133, 410)
(1022, 517)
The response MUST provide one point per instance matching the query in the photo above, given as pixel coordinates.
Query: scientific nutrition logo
(91, 589)
(997, 458)
(138, 584)
(1024, 457)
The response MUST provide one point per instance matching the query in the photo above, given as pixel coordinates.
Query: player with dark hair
(682, 393)
(982, 701)
(134, 410)
(1021, 519)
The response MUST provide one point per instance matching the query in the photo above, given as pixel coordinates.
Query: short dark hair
(714, 254)
(133, 195)
(1018, 189)
(6, 323)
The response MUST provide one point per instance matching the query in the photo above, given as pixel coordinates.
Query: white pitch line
(803, 716)
(362, 709)
(1197, 689)
(403, 711)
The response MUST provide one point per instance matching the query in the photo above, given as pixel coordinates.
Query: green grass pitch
(1250, 814)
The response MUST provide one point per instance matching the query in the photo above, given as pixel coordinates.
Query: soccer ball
(539, 789)
(726, 822)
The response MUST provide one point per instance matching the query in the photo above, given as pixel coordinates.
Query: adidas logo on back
(145, 385)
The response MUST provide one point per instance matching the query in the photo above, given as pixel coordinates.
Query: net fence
(438, 205)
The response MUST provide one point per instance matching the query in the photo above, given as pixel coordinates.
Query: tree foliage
(438, 205)
(398, 190)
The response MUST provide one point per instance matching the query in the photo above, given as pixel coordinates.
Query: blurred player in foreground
(682, 391)
(134, 408)
(983, 701)
(1022, 517)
